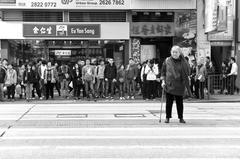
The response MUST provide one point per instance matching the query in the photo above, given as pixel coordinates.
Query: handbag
(71, 84)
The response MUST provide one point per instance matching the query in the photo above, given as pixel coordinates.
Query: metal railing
(221, 84)
(217, 84)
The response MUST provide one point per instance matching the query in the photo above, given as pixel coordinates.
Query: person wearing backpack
(3, 73)
(88, 79)
(100, 79)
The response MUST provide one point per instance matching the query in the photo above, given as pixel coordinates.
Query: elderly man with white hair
(175, 79)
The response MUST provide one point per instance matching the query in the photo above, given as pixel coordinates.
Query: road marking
(124, 147)
(124, 137)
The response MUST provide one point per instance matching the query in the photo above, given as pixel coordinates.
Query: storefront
(69, 30)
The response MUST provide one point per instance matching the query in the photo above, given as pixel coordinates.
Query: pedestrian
(233, 75)
(36, 84)
(121, 78)
(20, 73)
(42, 66)
(224, 74)
(3, 75)
(88, 79)
(131, 75)
(81, 64)
(175, 73)
(144, 79)
(138, 79)
(193, 71)
(64, 78)
(49, 80)
(151, 72)
(28, 78)
(11, 81)
(110, 75)
(57, 84)
(210, 74)
(77, 81)
(200, 78)
(100, 79)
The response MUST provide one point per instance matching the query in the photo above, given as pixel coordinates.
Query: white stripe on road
(122, 147)
(122, 137)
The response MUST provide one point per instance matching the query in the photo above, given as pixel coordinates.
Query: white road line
(123, 147)
(122, 137)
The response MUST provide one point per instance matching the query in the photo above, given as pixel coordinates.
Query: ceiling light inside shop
(158, 14)
(169, 13)
(106, 41)
(145, 13)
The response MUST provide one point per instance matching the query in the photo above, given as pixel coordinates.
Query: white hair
(176, 48)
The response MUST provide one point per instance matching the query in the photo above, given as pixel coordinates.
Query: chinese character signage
(73, 4)
(63, 52)
(141, 29)
(62, 30)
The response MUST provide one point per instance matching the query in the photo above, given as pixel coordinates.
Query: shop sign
(73, 4)
(63, 52)
(61, 30)
(227, 34)
(141, 29)
(211, 13)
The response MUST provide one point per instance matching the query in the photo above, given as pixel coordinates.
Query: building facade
(69, 30)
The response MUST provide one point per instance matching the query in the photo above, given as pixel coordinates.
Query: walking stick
(161, 105)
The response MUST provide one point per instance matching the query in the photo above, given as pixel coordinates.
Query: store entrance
(66, 51)
(161, 46)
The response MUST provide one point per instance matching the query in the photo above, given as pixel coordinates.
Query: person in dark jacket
(121, 77)
(36, 84)
(3, 75)
(131, 75)
(77, 81)
(28, 79)
(110, 75)
(175, 78)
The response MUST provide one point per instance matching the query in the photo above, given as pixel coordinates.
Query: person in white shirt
(233, 75)
(151, 71)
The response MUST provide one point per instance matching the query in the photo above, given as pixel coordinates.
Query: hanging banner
(73, 4)
(225, 22)
(143, 29)
(211, 14)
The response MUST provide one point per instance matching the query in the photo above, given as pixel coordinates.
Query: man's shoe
(182, 121)
(167, 120)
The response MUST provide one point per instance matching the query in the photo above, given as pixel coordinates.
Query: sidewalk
(213, 99)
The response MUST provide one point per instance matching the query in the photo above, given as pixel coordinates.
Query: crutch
(161, 105)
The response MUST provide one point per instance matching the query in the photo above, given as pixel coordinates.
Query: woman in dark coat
(175, 79)
(77, 81)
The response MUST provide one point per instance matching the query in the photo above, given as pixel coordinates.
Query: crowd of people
(203, 77)
(98, 79)
(86, 79)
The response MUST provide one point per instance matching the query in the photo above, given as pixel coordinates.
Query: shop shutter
(153, 17)
(12, 15)
(8, 1)
(97, 16)
(42, 16)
